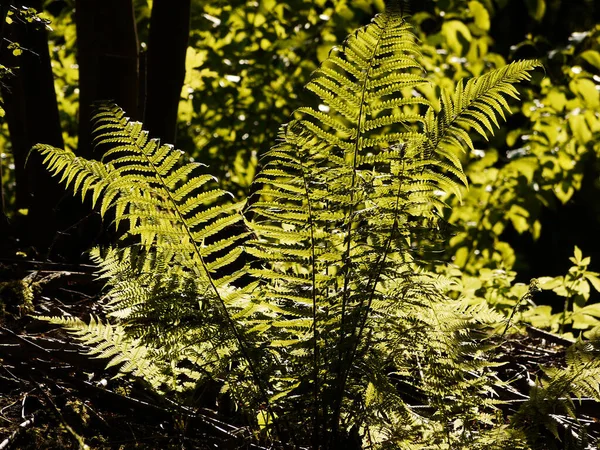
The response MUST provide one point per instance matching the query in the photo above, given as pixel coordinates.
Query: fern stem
(314, 318)
(314, 315)
(346, 258)
(533, 286)
(355, 339)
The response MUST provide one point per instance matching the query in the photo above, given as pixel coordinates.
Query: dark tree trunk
(3, 218)
(108, 60)
(3, 14)
(167, 46)
(32, 117)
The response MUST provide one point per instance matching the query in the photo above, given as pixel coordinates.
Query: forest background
(218, 78)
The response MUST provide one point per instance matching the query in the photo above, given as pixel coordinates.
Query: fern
(113, 343)
(170, 275)
(340, 337)
(475, 105)
(347, 195)
(550, 408)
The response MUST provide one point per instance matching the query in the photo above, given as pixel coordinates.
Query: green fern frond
(171, 289)
(351, 185)
(476, 105)
(80, 174)
(345, 192)
(581, 377)
(552, 398)
(112, 342)
(148, 185)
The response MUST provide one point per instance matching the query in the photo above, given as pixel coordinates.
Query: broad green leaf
(456, 33)
(480, 14)
(586, 90)
(557, 100)
(548, 283)
(578, 255)
(592, 57)
(519, 217)
(593, 279)
(583, 321)
(592, 310)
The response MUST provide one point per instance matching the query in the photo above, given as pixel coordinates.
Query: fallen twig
(22, 426)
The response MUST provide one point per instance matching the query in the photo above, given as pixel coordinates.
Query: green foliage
(497, 288)
(579, 378)
(16, 298)
(63, 52)
(338, 333)
(245, 66)
(576, 287)
(172, 216)
(112, 342)
(543, 167)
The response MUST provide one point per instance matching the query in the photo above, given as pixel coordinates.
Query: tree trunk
(3, 218)
(167, 46)
(32, 117)
(108, 52)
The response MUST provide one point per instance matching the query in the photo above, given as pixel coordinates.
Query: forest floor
(53, 396)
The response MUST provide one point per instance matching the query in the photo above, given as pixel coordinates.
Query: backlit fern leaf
(163, 199)
(476, 105)
(552, 399)
(172, 288)
(149, 185)
(113, 343)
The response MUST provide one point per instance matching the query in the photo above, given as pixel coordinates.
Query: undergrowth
(307, 305)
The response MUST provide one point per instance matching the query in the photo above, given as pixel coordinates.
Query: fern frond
(172, 288)
(349, 189)
(80, 174)
(111, 342)
(552, 398)
(335, 319)
(344, 193)
(148, 185)
(476, 105)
